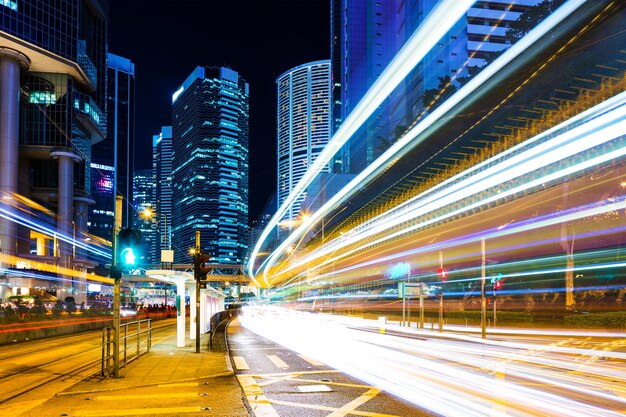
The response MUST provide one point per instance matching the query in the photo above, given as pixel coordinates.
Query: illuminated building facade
(162, 173)
(366, 35)
(144, 194)
(210, 165)
(52, 110)
(116, 150)
(303, 120)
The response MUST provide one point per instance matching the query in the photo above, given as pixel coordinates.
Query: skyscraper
(112, 159)
(210, 165)
(144, 190)
(303, 120)
(366, 35)
(52, 110)
(162, 173)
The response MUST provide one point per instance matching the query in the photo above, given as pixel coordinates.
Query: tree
(445, 89)
(70, 305)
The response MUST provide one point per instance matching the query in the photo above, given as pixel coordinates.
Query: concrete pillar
(81, 205)
(65, 211)
(11, 62)
(180, 314)
(192, 311)
(42, 246)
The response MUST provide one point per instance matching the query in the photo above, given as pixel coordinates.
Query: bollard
(382, 324)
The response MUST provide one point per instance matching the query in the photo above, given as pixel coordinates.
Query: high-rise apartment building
(162, 173)
(52, 110)
(303, 120)
(112, 159)
(210, 165)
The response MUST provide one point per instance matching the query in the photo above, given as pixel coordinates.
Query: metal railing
(134, 336)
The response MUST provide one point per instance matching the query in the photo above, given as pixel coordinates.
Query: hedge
(616, 320)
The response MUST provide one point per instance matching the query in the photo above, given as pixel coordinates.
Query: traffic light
(128, 247)
(497, 282)
(443, 273)
(199, 265)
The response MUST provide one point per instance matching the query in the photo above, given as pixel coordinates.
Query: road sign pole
(422, 306)
(441, 296)
(197, 276)
(483, 300)
(116, 288)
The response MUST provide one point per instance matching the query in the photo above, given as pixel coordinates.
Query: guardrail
(141, 335)
(219, 321)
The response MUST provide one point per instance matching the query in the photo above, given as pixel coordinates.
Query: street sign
(408, 289)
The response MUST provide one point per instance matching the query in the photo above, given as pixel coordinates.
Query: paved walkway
(167, 381)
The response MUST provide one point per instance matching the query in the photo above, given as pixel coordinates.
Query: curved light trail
(437, 23)
(413, 137)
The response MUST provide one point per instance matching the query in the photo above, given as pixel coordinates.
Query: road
(278, 382)
(511, 373)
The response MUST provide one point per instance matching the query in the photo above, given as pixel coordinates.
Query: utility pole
(483, 300)
(196, 274)
(422, 305)
(441, 296)
(116, 274)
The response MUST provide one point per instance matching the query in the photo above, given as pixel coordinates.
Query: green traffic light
(128, 256)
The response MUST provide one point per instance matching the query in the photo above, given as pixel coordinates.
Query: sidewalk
(167, 381)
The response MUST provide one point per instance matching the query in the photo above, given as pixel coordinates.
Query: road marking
(278, 361)
(325, 408)
(254, 394)
(354, 404)
(146, 396)
(311, 361)
(338, 384)
(17, 409)
(179, 384)
(277, 374)
(240, 363)
(136, 411)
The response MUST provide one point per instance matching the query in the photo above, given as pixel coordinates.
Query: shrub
(613, 320)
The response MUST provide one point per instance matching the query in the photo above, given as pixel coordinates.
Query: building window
(11, 4)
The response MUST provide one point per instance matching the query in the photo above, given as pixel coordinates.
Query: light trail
(594, 132)
(52, 232)
(454, 374)
(412, 138)
(441, 19)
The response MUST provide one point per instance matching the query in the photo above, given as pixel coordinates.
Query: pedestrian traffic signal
(199, 265)
(496, 278)
(497, 285)
(443, 273)
(128, 244)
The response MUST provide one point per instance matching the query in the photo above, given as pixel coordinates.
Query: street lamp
(149, 215)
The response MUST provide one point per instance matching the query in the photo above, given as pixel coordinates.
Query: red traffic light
(497, 285)
(443, 273)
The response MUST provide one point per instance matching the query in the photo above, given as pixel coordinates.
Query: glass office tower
(210, 165)
(162, 173)
(52, 110)
(367, 34)
(114, 155)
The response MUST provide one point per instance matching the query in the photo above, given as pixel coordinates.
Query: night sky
(259, 39)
